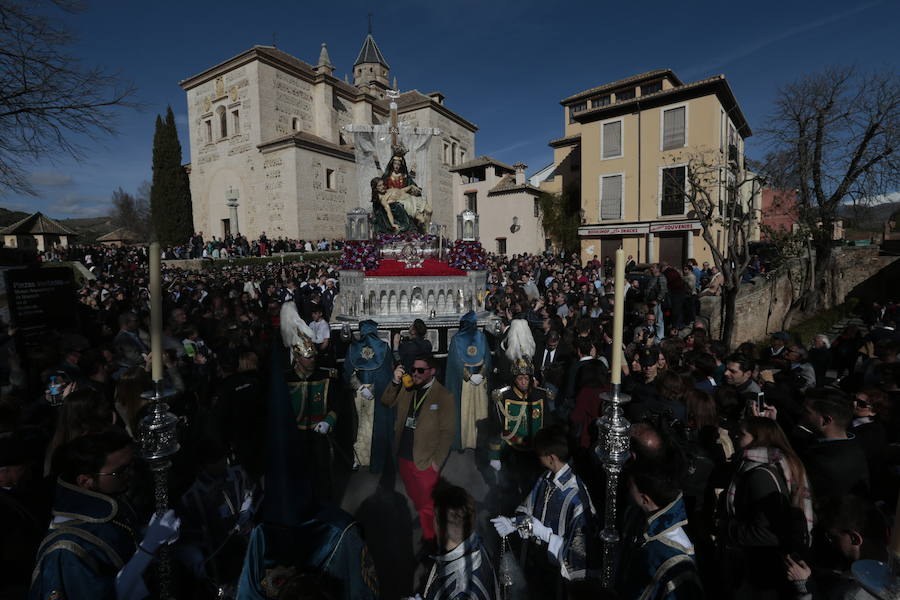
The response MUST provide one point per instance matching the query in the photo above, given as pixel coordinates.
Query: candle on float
(156, 312)
(618, 318)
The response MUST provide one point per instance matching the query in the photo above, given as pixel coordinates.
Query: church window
(209, 137)
(223, 122)
(295, 122)
(462, 156)
(446, 153)
(329, 179)
(453, 154)
(236, 121)
(537, 207)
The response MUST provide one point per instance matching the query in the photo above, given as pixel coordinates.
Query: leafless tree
(132, 212)
(50, 104)
(721, 195)
(833, 138)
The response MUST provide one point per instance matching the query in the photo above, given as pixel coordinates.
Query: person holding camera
(423, 431)
(645, 333)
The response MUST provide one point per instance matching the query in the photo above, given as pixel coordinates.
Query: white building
(507, 205)
(265, 128)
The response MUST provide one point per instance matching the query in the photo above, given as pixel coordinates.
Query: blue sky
(503, 65)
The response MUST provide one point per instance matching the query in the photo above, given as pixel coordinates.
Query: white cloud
(74, 205)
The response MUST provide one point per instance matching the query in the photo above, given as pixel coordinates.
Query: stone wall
(762, 306)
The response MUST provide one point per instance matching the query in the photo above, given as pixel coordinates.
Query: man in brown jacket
(426, 422)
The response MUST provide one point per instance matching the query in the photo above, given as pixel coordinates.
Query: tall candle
(618, 318)
(156, 317)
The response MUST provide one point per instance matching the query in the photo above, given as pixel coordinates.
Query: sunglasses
(421, 370)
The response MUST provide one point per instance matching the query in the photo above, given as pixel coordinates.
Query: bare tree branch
(49, 103)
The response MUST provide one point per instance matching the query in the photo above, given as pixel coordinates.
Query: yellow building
(626, 153)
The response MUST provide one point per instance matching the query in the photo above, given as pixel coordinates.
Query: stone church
(268, 152)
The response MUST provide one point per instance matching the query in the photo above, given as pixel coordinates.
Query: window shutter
(611, 197)
(673, 128)
(612, 139)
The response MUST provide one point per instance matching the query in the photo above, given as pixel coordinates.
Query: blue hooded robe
(371, 360)
(468, 354)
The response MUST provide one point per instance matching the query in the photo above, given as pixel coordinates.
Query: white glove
(540, 531)
(504, 526)
(366, 393)
(476, 379)
(495, 465)
(322, 427)
(161, 530)
(247, 503)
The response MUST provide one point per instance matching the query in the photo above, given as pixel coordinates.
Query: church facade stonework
(266, 129)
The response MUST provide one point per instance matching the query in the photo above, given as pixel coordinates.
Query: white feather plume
(519, 341)
(292, 325)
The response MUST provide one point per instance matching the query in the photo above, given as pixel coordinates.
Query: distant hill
(868, 218)
(8, 217)
(89, 229)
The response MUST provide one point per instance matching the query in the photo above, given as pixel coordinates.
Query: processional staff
(615, 446)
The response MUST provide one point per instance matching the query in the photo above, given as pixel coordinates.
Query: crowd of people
(758, 471)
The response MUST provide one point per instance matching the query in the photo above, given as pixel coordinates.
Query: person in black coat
(551, 360)
(834, 458)
(769, 486)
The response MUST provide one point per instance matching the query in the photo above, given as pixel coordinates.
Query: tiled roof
(621, 82)
(305, 139)
(415, 99)
(273, 54)
(734, 110)
(481, 161)
(369, 53)
(569, 140)
(37, 223)
(508, 183)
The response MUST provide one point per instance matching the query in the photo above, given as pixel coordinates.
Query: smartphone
(760, 403)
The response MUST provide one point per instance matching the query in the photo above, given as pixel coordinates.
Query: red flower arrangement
(468, 256)
(359, 255)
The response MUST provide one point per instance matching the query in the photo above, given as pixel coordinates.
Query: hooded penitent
(369, 365)
(468, 355)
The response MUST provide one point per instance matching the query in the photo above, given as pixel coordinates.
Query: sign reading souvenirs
(41, 300)
(690, 226)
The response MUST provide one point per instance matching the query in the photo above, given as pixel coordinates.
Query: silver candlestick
(158, 436)
(614, 450)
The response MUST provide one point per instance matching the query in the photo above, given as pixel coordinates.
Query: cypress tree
(170, 193)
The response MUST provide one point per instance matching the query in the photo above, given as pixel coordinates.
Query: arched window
(223, 122)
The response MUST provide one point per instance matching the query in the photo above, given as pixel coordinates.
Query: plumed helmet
(522, 366)
(295, 333)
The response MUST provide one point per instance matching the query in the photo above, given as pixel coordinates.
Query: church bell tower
(370, 69)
